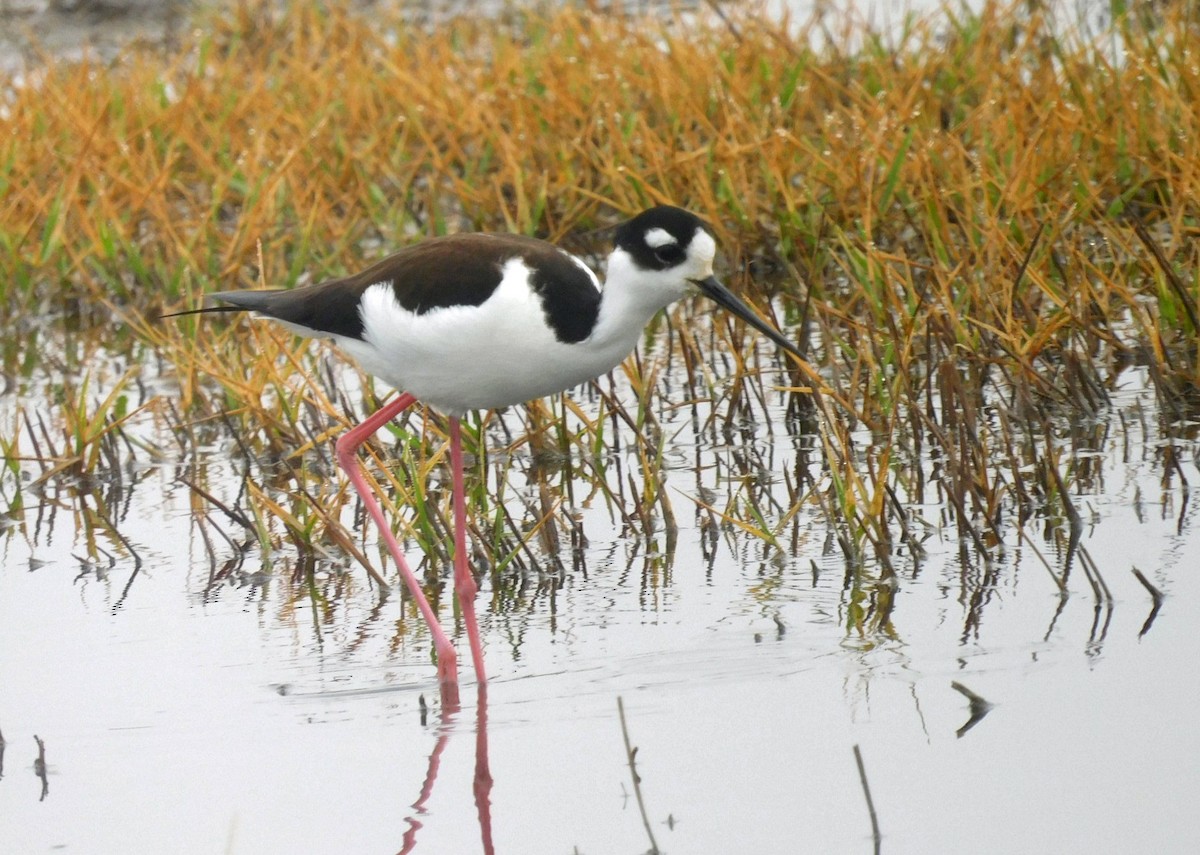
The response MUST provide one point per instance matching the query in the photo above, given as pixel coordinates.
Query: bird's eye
(669, 254)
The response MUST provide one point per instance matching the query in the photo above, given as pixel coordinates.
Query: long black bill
(727, 300)
(207, 310)
(240, 301)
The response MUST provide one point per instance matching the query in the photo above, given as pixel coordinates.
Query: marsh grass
(973, 230)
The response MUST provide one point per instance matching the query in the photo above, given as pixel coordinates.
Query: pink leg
(464, 582)
(347, 455)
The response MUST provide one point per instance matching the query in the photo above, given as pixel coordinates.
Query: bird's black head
(658, 238)
(663, 253)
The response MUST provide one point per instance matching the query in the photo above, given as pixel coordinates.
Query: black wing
(455, 270)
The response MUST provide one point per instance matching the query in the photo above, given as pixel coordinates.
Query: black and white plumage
(479, 321)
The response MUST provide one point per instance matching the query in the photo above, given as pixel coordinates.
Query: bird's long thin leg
(347, 455)
(464, 582)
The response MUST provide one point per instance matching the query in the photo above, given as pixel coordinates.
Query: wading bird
(483, 321)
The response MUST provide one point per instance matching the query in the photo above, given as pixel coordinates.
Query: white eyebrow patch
(659, 237)
(703, 247)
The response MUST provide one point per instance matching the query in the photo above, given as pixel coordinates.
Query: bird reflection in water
(482, 785)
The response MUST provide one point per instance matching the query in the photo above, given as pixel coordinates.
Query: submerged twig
(979, 707)
(862, 776)
(1155, 595)
(631, 754)
(39, 767)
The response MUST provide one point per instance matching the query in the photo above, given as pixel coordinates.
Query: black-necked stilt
(482, 321)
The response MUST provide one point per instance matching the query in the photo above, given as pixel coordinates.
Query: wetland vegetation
(979, 233)
(981, 229)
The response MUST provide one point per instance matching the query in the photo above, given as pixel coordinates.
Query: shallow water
(264, 716)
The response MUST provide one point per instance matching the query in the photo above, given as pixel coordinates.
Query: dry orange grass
(993, 211)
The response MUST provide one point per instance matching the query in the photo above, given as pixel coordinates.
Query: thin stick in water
(631, 754)
(980, 707)
(39, 767)
(862, 776)
(1155, 595)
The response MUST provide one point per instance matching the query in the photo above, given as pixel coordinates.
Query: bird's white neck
(629, 300)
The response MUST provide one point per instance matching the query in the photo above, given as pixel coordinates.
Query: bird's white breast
(459, 358)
